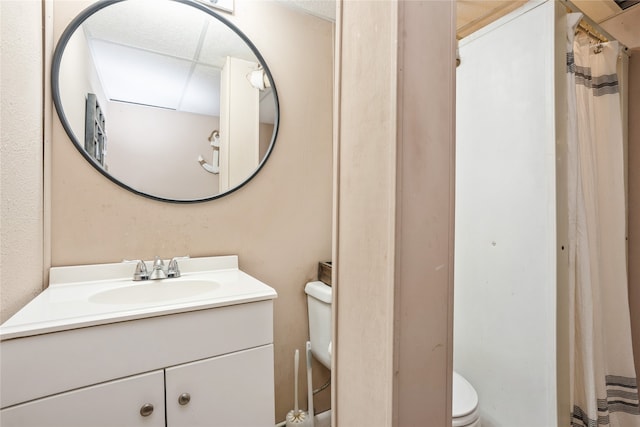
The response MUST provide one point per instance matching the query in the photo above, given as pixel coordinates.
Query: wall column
(394, 212)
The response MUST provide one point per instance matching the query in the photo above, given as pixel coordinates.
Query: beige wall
(170, 149)
(279, 224)
(634, 200)
(395, 213)
(21, 154)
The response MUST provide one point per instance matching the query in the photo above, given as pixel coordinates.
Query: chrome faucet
(173, 270)
(158, 270)
(141, 272)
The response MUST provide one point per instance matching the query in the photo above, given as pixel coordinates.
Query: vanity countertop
(91, 295)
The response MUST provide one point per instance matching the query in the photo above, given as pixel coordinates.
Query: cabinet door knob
(184, 398)
(146, 410)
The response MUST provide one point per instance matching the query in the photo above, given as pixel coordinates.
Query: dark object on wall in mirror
(94, 129)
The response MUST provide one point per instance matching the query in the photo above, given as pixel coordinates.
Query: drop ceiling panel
(165, 27)
(220, 41)
(202, 93)
(131, 75)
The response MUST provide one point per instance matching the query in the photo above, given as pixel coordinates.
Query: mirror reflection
(167, 99)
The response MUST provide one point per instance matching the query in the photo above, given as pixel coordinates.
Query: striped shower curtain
(603, 378)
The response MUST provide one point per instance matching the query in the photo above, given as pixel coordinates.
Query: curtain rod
(595, 27)
(592, 33)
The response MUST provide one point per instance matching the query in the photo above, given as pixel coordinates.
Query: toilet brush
(297, 417)
(310, 387)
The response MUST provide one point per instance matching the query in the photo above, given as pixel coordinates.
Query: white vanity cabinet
(212, 367)
(96, 349)
(230, 390)
(115, 403)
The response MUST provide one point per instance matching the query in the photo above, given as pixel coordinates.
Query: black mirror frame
(55, 90)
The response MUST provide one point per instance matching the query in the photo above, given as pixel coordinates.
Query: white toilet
(319, 298)
(464, 403)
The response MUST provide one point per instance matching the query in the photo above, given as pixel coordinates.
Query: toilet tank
(319, 298)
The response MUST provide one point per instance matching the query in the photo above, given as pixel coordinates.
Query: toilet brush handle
(296, 363)
(310, 385)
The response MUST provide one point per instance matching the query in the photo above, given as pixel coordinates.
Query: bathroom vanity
(107, 352)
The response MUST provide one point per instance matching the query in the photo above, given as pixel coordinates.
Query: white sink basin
(90, 295)
(154, 291)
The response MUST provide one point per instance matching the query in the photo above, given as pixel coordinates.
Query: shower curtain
(603, 378)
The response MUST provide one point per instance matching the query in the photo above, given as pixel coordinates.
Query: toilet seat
(465, 412)
(470, 420)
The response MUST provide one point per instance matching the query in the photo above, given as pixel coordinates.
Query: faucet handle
(141, 272)
(158, 269)
(158, 263)
(173, 270)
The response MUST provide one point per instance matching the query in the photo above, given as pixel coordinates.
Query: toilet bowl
(465, 412)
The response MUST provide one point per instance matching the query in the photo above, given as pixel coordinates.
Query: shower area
(541, 314)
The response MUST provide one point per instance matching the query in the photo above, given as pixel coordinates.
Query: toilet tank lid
(319, 291)
(465, 398)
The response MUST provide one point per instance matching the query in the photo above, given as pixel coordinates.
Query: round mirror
(165, 98)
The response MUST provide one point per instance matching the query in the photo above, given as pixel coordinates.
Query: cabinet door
(234, 390)
(111, 404)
